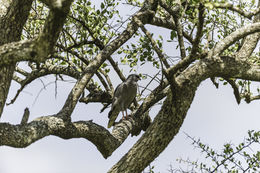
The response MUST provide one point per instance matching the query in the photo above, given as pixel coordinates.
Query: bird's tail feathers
(112, 115)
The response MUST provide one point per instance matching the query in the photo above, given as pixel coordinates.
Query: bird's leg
(126, 117)
(123, 115)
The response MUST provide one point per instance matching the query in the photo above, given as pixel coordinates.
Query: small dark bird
(123, 97)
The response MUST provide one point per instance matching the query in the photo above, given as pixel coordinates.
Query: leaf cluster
(232, 158)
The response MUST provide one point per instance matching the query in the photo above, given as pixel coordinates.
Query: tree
(73, 38)
(232, 158)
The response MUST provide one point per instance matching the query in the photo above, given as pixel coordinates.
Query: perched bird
(123, 96)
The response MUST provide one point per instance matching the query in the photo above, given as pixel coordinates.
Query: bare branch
(199, 33)
(45, 69)
(25, 116)
(111, 88)
(156, 48)
(235, 89)
(175, 13)
(116, 68)
(249, 98)
(250, 41)
(169, 24)
(102, 80)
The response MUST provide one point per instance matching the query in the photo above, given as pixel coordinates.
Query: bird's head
(133, 78)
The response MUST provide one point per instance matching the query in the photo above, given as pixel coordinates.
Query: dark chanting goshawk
(123, 97)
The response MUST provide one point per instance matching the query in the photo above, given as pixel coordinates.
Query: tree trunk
(12, 22)
(167, 122)
(159, 134)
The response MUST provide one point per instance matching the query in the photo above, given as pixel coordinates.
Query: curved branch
(235, 89)
(233, 37)
(172, 114)
(169, 24)
(249, 98)
(247, 14)
(250, 41)
(45, 69)
(24, 134)
(38, 49)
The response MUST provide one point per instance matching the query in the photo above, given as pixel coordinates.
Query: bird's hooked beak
(138, 78)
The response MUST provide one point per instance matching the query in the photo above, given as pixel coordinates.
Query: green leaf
(102, 5)
(209, 5)
(173, 35)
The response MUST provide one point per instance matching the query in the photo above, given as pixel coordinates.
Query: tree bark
(11, 26)
(165, 125)
(170, 118)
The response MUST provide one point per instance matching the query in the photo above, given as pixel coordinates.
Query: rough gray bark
(60, 124)
(12, 20)
(170, 118)
(24, 134)
(10, 32)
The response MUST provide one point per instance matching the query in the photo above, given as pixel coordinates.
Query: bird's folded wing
(118, 94)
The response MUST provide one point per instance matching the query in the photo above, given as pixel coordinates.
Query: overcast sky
(214, 117)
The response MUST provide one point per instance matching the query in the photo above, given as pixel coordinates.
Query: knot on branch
(142, 123)
(25, 116)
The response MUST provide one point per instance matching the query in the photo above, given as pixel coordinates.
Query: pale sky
(214, 117)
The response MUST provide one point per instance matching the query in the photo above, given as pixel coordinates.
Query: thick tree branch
(230, 67)
(24, 134)
(38, 49)
(13, 17)
(170, 118)
(47, 39)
